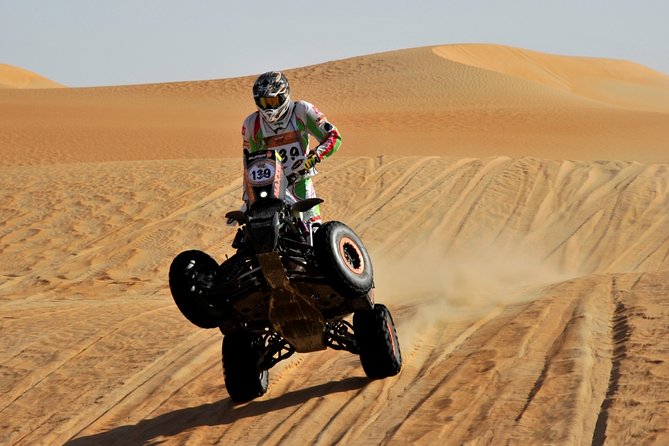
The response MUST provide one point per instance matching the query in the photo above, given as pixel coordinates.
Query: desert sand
(515, 205)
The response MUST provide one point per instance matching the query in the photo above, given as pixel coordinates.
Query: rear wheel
(343, 259)
(243, 379)
(378, 345)
(192, 275)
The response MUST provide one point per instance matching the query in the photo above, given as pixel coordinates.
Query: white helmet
(271, 93)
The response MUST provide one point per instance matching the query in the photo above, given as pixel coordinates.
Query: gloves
(311, 161)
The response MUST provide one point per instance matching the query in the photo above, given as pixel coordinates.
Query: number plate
(261, 172)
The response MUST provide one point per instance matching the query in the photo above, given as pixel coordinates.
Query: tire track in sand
(620, 335)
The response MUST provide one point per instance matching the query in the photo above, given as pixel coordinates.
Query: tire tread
(375, 340)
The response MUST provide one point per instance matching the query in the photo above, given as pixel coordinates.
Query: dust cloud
(429, 286)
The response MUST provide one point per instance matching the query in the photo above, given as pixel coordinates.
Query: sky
(83, 43)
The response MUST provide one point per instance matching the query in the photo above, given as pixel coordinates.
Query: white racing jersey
(290, 137)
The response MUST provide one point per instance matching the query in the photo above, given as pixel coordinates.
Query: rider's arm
(247, 142)
(326, 133)
(251, 132)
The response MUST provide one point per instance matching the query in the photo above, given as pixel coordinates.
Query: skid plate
(292, 315)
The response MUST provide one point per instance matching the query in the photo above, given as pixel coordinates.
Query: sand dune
(614, 82)
(529, 290)
(411, 101)
(15, 77)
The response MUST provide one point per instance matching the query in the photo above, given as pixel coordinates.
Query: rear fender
(305, 205)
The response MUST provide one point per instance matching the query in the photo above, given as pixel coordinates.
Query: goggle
(270, 102)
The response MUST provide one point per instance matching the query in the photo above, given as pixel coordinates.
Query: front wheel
(343, 259)
(192, 275)
(243, 379)
(378, 345)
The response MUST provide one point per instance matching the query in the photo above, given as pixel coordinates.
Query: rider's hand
(231, 221)
(311, 161)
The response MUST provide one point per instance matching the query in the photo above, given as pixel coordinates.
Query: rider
(284, 125)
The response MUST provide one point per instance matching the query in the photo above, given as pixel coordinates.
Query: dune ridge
(385, 104)
(15, 77)
(529, 291)
(615, 82)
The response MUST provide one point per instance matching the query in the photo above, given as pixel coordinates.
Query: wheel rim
(199, 280)
(352, 256)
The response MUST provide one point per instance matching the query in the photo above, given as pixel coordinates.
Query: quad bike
(288, 288)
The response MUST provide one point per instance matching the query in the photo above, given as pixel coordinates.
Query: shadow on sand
(212, 414)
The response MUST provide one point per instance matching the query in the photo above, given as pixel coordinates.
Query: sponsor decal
(282, 139)
(259, 155)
